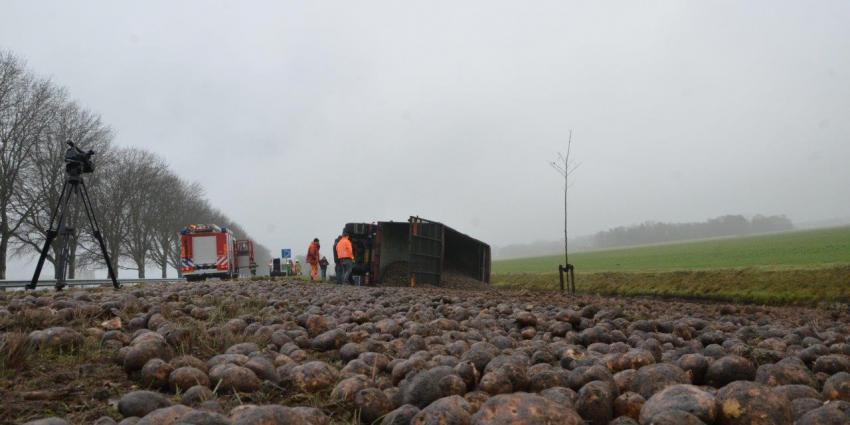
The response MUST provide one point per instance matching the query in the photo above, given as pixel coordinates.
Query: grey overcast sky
(300, 116)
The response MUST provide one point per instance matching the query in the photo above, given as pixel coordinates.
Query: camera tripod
(74, 189)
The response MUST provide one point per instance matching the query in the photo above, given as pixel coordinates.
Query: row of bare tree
(141, 204)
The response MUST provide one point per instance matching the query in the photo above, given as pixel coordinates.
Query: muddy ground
(275, 352)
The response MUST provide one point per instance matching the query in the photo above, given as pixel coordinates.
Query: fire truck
(207, 250)
(245, 264)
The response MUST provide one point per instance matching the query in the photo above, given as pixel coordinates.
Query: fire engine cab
(207, 250)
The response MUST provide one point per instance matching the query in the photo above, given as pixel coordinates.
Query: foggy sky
(300, 116)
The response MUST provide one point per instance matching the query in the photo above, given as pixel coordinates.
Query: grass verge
(750, 285)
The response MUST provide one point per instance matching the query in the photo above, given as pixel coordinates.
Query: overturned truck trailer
(415, 252)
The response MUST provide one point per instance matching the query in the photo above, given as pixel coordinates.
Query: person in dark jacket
(323, 264)
(337, 262)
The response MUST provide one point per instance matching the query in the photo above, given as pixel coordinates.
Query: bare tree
(113, 197)
(166, 227)
(144, 174)
(46, 174)
(180, 202)
(565, 167)
(26, 105)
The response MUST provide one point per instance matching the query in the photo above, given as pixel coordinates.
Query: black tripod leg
(51, 234)
(96, 231)
(66, 235)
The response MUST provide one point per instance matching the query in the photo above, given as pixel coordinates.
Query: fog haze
(297, 118)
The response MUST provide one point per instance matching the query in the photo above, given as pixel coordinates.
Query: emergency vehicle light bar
(200, 228)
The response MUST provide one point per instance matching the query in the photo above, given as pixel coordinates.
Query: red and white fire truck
(245, 264)
(207, 250)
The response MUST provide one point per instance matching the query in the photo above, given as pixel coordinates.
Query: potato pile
(293, 353)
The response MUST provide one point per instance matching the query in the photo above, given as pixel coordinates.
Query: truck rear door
(204, 250)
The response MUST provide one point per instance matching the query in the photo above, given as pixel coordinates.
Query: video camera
(78, 161)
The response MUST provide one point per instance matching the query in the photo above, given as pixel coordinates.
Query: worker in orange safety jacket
(313, 259)
(345, 253)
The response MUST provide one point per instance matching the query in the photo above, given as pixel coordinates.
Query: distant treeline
(655, 232)
(652, 232)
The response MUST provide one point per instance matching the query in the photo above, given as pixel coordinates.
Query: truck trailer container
(418, 251)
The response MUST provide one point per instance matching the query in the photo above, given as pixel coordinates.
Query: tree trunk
(173, 252)
(55, 266)
(72, 257)
(72, 261)
(140, 263)
(5, 235)
(163, 265)
(4, 248)
(566, 236)
(113, 257)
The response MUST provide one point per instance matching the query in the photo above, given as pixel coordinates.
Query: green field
(810, 266)
(793, 250)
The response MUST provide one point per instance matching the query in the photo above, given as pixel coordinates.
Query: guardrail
(49, 283)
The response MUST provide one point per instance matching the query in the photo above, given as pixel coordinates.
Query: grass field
(810, 267)
(793, 250)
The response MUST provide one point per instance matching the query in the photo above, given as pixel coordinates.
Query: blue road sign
(286, 253)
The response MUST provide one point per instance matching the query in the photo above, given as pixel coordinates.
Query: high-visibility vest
(344, 250)
(313, 253)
